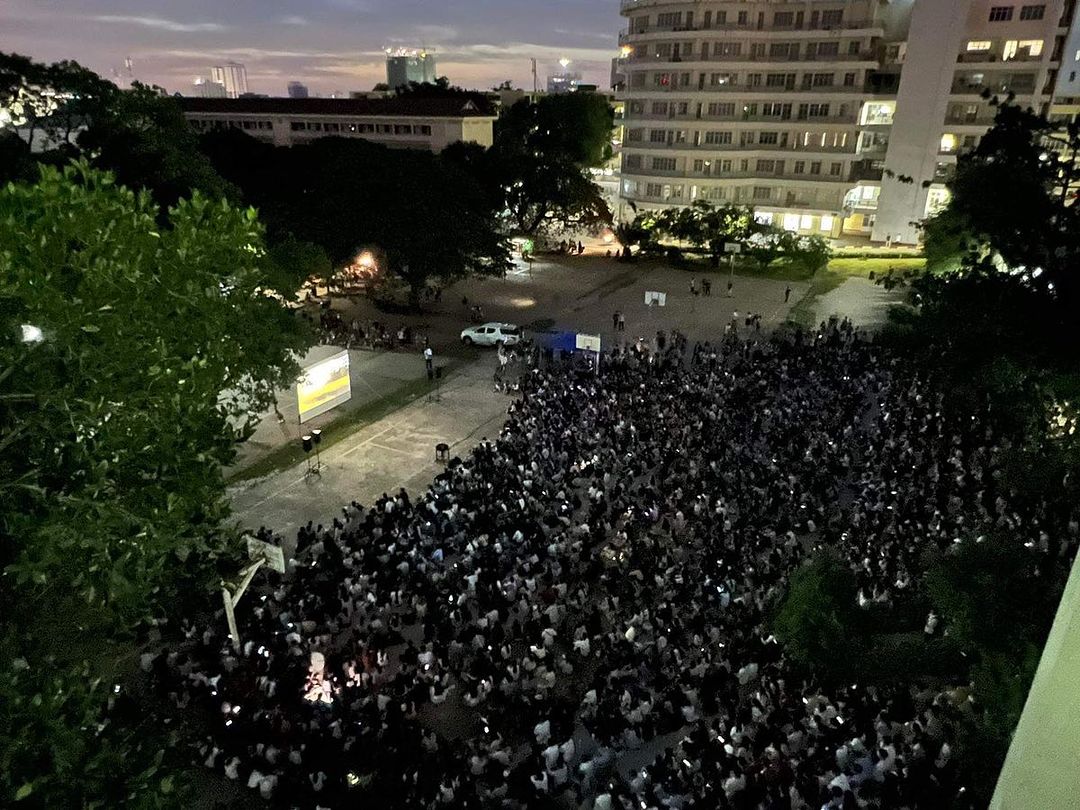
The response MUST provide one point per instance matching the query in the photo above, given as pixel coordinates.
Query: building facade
(202, 87)
(826, 116)
(232, 76)
(409, 123)
(404, 67)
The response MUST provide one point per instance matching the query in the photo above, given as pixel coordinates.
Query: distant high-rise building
(232, 76)
(297, 90)
(563, 82)
(204, 88)
(403, 67)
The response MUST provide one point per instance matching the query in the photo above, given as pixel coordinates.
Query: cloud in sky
(160, 23)
(331, 45)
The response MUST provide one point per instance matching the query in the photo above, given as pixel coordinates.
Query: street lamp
(316, 437)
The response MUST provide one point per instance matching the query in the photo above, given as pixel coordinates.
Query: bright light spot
(366, 260)
(522, 303)
(32, 334)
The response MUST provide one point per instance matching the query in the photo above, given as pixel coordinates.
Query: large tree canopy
(541, 154)
(64, 110)
(138, 348)
(424, 215)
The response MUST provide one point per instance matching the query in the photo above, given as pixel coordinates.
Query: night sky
(330, 45)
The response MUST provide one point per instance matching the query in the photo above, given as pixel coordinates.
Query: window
(631, 162)
(829, 48)
(853, 47)
(1001, 13)
(699, 166)
(670, 20)
(776, 110)
(777, 79)
(717, 138)
(659, 108)
(780, 50)
(662, 80)
(823, 80)
(725, 165)
(722, 108)
(830, 19)
(813, 111)
(762, 192)
(849, 80)
(744, 17)
(1032, 12)
(422, 129)
(835, 169)
(368, 128)
(637, 79)
(815, 167)
(768, 137)
(800, 167)
(297, 126)
(754, 80)
(979, 45)
(653, 190)
(403, 129)
(720, 79)
(1022, 49)
(658, 136)
(765, 166)
(635, 135)
(727, 48)
(663, 164)
(783, 19)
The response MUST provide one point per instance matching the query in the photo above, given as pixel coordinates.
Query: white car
(491, 334)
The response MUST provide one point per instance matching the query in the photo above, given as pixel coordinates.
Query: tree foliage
(157, 351)
(424, 215)
(816, 615)
(65, 111)
(540, 159)
(711, 228)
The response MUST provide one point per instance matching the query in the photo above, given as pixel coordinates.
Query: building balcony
(726, 148)
(965, 88)
(747, 27)
(648, 175)
(738, 118)
(869, 58)
(994, 59)
(745, 89)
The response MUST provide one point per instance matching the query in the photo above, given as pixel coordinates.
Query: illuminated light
(564, 62)
(626, 51)
(522, 303)
(366, 260)
(32, 334)
(352, 779)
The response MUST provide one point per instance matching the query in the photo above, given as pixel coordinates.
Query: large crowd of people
(576, 614)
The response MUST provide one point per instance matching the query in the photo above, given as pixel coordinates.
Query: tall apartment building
(232, 76)
(404, 66)
(817, 112)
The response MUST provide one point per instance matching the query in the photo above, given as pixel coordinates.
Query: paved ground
(397, 451)
(866, 303)
(373, 375)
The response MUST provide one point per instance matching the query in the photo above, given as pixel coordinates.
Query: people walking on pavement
(787, 294)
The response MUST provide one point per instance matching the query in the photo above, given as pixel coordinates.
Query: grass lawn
(292, 453)
(852, 266)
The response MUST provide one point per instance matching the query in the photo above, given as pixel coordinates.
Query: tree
(64, 111)
(1012, 200)
(817, 612)
(707, 226)
(156, 352)
(541, 154)
(424, 214)
(144, 139)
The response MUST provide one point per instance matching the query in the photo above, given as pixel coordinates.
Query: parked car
(491, 334)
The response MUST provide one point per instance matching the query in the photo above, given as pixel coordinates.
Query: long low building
(409, 123)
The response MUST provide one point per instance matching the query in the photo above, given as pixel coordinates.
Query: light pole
(316, 437)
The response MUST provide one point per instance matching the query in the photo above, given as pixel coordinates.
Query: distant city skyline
(329, 45)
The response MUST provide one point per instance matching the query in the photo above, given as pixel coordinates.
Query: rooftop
(442, 107)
